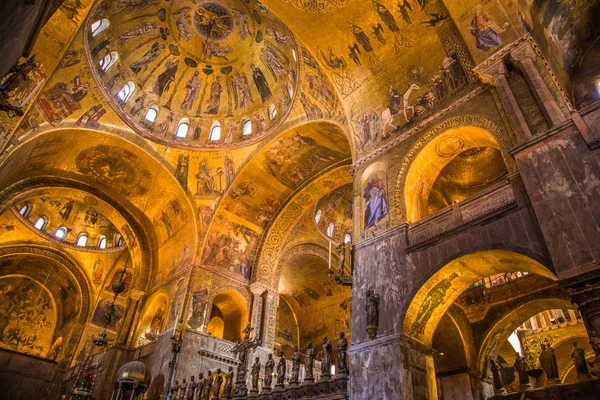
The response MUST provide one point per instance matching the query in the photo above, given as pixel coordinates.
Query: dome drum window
(215, 131)
(246, 127)
(82, 240)
(152, 113)
(108, 61)
(60, 233)
(182, 128)
(98, 26)
(125, 93)
(41, 223)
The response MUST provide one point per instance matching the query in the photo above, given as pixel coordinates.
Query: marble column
(256, 313)
(524, 56)
(495, 75)
(270, 319)
(131, 309)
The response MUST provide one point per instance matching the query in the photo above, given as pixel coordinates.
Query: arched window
(182, 128)
(125, 93)
(348, 238)
(215, 131)
(60, 233)
(25, 210)
(246, 127)
(290, 90)
(118, 240)
(330, 229)
(99, 26)
(82, 240)
(152, 113)
(41, 223)
(102, 242)
(108, 61)
(272, 111)
(318, 216)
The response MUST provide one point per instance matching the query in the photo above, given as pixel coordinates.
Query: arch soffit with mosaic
(463, 121)
(433, 298)
(306, 248)
(63, 260)
(496, 336)
(268, 267)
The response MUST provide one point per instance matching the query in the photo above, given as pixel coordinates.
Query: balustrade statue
(269, 367)
(326, 360)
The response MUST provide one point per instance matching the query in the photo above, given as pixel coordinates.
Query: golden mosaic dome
(194, 74)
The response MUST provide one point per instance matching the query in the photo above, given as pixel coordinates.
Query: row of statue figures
(549, 366)
(201, 389)
(209, 387)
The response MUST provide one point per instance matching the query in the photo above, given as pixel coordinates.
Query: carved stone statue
(326, 359)
(372, 311)
(295, 366)
(183, 390)
(281, 366)
(206, 386)
(521, 367)
(191, 395)
(498, 384)
(342, 350)
(199, 386)
(549, 364)
(217, 385)
(341, 249)
(175, 390)
(308, 362)
(254, 374)
(269, 367)
(228, 384)
(581, 365)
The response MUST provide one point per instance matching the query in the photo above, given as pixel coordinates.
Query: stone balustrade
(485, 204)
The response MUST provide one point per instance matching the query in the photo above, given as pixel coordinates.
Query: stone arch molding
(306, 248)
(268, 267)
(464, 121)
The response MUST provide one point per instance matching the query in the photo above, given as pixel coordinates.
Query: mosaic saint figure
(361, 37)
(127, 6)
(273, 61)
(163, 82)
(485, 30)
(212, 106)
(386, 16)
(261, 83)
(143, 29)
(433, 299)
(192, 86)
(166, 125)
(375, 202)
(138, 106)
(142, 63)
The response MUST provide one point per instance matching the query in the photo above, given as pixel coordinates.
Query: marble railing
(475, 208)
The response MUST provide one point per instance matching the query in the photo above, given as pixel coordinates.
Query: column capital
(136, 294)
(258, 288)
(523, 52)
(491, 73)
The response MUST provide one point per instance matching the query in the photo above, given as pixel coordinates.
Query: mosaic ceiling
(226, 71)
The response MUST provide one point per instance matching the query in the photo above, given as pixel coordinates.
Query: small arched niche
(455, 165)
(228, 315)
